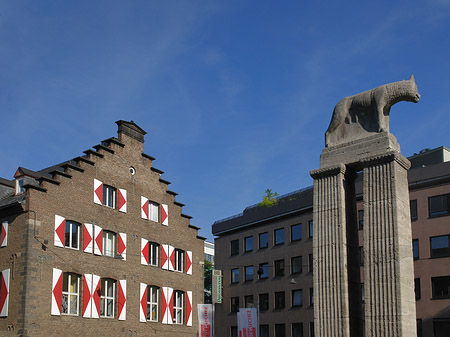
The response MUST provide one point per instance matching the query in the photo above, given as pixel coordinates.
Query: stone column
(388, 261)
(331, 296)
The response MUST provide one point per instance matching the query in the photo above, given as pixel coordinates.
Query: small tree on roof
(269, 199)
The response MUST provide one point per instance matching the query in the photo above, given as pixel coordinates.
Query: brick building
(98, 246)
(265, 254)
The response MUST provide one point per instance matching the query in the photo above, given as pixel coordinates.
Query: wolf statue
(360, 115)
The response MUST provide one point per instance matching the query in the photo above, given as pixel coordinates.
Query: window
(311, 228)
(70, 294)
(72, 235)
(311, 296)
(310, 258)
(248, 273)
(178, 307)
(297, 329)
(415, 244)
(109, 195)
(234, 304)
(279, 300)
(311, 329)
(361, 256)
(297, 298)
(248, 300)
(152, 303)
(109, 241)
(248, 243)
(441, 327)
(361, 219)
(417, 288)
(234, 331)
(296, 265)
(279, 236)
(235, 275)
(263, 270)
(107, 291)
(263, 302)
(179, 258)
(440, 246)
(441, 287)
(280, 330)
(263, 240)
(296, 232)
(153, 211)
(234, 247)
(279, 268)
(264, 330)
(153, 253)
(363, 296)
(419, 327)
(413, 209)
(439, 205)
(19, 186)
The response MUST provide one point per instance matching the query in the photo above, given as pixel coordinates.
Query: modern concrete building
(266, 256)
(98, 246)
(209, 251)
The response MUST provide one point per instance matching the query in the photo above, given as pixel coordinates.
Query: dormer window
(19, 185)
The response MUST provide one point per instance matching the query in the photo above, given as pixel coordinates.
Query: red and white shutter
(88, 238)
(4, 293)
(60, 229)
(98, 240)
(188, 262)
(122, 302)
(165, 257)
(95, 296)
(189, 308)
(122, 246)
(4, 234)
(144, 251)
(87, 296)
(144, 208)
(165, 215)
(167, 305)
(56, 292)
(143, 303)
(122, 200)
(171, 258)
(98, 192)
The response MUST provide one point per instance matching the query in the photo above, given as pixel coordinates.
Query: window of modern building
(235, 275)
(72, 235)
(179, 260)
(310, 261)
(441, 287)
(234, 331)
(107, 301)
(296, 232)
(297, 298)
(361, 219)
(178, 307)
(153, 211)
(234, 304)
(248, 301)
(417, 288)
(279, 300)
(415, 244)
(70, 294)
(419, 327)
(361, 256)
(263, 302)
(109, 196)
(153, 253)
(152, 303)
(234, 247)
(264, 330)
(248, 273)
(279, 268)
(297, 329)
(109, 243)
(296, 265)
(311, 296)
(441, 327)
(311, 329)
(263, 270)
(439, 205)
(279, 236)
(413, 209)
(248, 244)
(280, 330)
(263, 240)
(440, 246)
(311, 228)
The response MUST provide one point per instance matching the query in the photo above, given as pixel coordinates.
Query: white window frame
(178, 307)
(153, 211)
(104, 298)
(68, 294)
(153, 254)
(179, 259)
(71, 224)
(151, 291)
(109, 236)
(106, 199)
(19, 185)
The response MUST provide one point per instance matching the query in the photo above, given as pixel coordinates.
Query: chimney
(130, 129)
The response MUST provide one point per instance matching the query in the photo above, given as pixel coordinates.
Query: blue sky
(235, 95)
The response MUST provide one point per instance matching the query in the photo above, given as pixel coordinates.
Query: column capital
(328, 171)
(386, 158)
